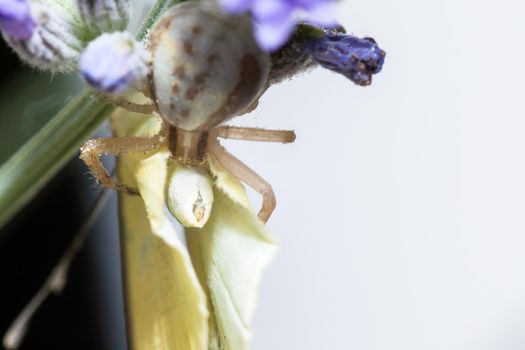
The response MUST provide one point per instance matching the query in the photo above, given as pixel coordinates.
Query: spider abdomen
(206, 66)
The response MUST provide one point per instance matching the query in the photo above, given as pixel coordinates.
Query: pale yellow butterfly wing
(165, 304)
(230, 254)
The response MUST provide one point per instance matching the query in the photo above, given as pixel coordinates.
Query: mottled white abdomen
(206, 66)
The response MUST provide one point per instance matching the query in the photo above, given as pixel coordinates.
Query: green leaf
(31, 167)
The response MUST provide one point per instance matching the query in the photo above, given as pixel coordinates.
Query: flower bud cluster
(44, 36)
(64, 35)
(51, 35)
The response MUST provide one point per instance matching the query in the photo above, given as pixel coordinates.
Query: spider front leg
(244, 174)
(240, 170)
(132, 106)
(93, 149)
(129, 105)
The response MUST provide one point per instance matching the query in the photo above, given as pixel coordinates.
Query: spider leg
(92, 150)
(255, 134)
(130, 106)
(243, 173)
(135, 107)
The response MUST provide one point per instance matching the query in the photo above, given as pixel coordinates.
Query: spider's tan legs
(243, 173)
(131, 106)
(92, 150)
(240, 170)
(134, 107)
(255, 134)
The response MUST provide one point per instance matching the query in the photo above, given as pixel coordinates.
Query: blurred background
(400, 207)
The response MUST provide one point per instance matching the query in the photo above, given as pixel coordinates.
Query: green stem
(156, 11)
(32, 166)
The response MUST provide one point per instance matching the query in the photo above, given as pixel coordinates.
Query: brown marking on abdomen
(212, 59)
(196, 29)
(185, 113)
(180, 72)
(188, 48)
(192, 92)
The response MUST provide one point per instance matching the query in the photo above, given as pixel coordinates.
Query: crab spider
(205, 69)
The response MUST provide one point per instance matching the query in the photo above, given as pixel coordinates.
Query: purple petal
(275, 18)
(236, 6)
(271, 10)
(15, 19)
(322, 13)
(273, 35)
(113, 63)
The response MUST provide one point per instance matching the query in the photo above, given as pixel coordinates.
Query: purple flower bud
(56, 40)
(114, 63)
(355, 58)
(15, 19)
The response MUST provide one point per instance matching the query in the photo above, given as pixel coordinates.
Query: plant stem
(31, 167)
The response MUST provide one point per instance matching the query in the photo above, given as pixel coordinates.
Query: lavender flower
(357, 59)
(104, 16)
(15, 19)
(275, 19)
(114, 63)
(56, 38)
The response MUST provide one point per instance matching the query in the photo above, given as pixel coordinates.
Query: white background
(401, 207)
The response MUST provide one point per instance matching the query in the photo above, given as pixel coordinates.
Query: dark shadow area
(33, 242)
